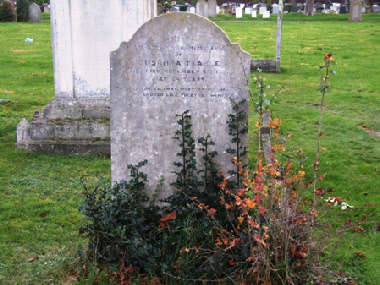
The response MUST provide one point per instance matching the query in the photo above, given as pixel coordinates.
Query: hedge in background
(22, 10)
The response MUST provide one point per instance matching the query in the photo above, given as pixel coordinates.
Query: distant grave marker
(239, 12)
(34, 13)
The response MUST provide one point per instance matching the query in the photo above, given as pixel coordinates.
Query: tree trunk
(309, 8)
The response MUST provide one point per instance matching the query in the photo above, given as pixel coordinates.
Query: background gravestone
(83, 34)
(194, 67)
(356, 11)
(212, 8)
(7, 11)
(34, 13)
(202, 8)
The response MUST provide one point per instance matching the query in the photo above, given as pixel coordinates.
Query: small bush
(7, 13)
(183, 8)
(22, 10)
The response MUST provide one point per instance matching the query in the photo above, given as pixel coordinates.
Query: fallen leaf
(43, 214)
(33, 259)
(169, 217)
(360, 254)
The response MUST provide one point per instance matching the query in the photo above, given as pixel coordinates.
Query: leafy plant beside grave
(22, 10)
(243, 227)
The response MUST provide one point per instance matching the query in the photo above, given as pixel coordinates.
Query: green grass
(40, 193)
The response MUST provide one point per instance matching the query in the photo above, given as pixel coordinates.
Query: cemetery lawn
(40, 194)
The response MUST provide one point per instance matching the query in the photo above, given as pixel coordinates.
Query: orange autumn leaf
(169, 217)
(252, 223)
(241, 191)
(250, 203)
(262, 210)
(212, 211)
(300, 255)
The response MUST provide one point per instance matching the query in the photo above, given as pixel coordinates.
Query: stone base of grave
(264, 65)
(68, 126)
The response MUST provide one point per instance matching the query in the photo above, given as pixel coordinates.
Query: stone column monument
(206, 8)
(83, 34)
(356, 11)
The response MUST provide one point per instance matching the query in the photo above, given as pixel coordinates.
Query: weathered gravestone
(356, 11)
(206, 8)
(34, 13)
(193, 67)
(212, 8)
(7, 11)
(83, 34)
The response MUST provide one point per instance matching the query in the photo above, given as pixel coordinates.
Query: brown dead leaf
(33, 259)
(359, 253)
(359, 229)
(43, 214)
(169, 217)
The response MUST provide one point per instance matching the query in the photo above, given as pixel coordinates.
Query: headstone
(294, 9)
(34, 13)
(192, 10)
(7, 11)
(248, 10)
(153, 79)
(218, 10)
(239, 12)
(376, 9)
(355, 11)
(262, 10)
(266, 14)
(202, 8)
(173, 9)
(212, 8)
(254, 14)
(242, 6)
(46, 8)
(275, 9)
(83, 34)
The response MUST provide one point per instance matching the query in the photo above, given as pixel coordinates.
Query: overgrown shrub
(7, 13)
(22, 10)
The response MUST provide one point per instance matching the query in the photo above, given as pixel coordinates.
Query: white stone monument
(262, 10)
(83, 34)
(254, 14)
(239, 12)
(275, 8)
(248, 10)
(266, 14)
